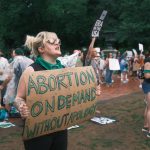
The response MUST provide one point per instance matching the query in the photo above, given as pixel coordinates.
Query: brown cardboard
(58, 99)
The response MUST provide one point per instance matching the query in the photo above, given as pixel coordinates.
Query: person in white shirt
(18, 65)
(4, 65)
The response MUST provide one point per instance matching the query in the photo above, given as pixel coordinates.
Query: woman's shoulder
(29, 69)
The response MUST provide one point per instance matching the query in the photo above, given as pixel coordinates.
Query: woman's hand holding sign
(24, 110)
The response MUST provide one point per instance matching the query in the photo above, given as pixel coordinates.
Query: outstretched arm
(91, 47)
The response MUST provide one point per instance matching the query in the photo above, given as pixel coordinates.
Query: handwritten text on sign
(58, 99)
(98, 24)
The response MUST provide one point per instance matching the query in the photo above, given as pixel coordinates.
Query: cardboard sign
(98, 24)
(141, 47)
(114, 64)
(58, 99)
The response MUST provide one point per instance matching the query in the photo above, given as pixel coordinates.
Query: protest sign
(102, 64)
(98, 24)
(103, 120)
(58, 99)
(135, 52)
(141, 47)
(5, 124)
(69, 61)
(114, 64)
(129, 54)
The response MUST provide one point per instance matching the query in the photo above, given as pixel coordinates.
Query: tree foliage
(135, 22)
(73, 20)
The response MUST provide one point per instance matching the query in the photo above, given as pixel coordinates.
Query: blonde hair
(33, 43)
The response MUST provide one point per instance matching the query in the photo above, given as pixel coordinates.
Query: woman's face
(110, 55)
(94, 53)
(13, 53)
(52, 48)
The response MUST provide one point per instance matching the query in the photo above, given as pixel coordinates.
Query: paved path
(119, 89)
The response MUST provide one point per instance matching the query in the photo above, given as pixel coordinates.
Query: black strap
(37, 67)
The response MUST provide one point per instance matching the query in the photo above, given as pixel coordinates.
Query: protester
(92, 59)
(69, 60)
(79, 62)
(46, 46)
(12, 56)
(141, 61)
(108, 74)
(136, 65)
(84, 53)
(4, 65)
(130, 66)
(146, 90)
(101, 63)
(118, 56)
(18, 65)
(124, 69)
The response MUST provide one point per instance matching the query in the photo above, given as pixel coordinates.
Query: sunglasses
(96, 52)
(54, 41)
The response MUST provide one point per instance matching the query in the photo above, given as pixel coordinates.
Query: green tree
(73, 20)
(135, 23)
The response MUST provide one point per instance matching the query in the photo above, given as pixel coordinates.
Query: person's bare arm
(20, 100)
(92, 43)
(147, 69)
(91, 47)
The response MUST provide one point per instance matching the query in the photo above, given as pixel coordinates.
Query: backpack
(3, 114)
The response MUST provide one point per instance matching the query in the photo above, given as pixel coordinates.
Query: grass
(125, 134)
(122, 135)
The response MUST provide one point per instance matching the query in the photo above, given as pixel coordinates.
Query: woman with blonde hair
(46, 46)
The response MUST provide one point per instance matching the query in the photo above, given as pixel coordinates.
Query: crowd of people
(100, 60)
(46, 49)
(11, 71)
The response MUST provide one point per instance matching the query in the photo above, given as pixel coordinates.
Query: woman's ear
(41, 50)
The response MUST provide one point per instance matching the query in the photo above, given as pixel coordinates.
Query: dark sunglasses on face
(54, 41)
